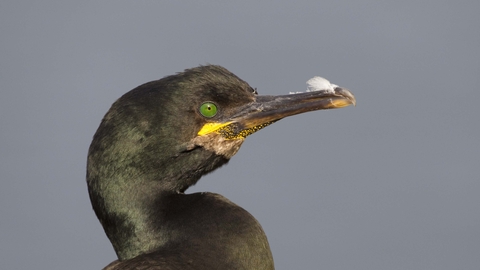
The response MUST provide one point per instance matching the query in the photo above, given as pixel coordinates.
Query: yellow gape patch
(230, 130)
(212, 127)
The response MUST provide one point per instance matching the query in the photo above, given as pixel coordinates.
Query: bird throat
(217, 143)
(227, 139)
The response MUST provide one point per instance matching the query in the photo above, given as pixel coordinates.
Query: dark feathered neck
(130, 195)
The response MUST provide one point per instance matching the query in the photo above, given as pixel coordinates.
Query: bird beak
(266, 110)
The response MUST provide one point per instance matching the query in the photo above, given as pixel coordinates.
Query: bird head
(185, 125)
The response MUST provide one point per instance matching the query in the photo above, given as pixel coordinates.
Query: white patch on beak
(319, 84)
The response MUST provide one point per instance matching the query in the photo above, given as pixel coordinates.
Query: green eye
(208, 109)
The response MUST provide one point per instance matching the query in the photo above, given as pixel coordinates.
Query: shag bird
(159, 139)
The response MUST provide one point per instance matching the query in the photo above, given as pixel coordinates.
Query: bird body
(200, 220)
(159, 139)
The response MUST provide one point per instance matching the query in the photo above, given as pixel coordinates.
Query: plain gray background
(393, 183)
